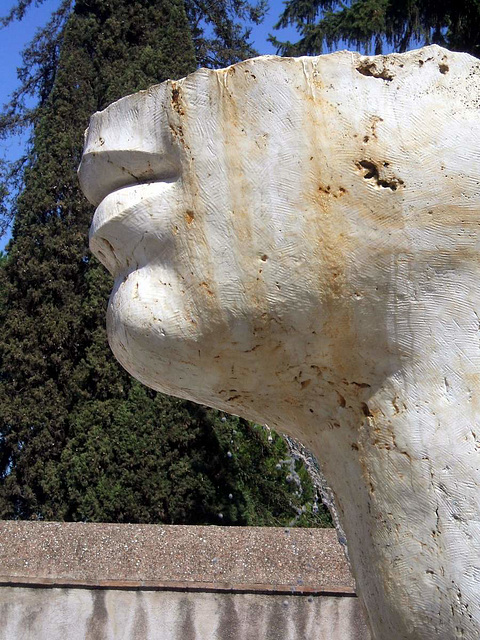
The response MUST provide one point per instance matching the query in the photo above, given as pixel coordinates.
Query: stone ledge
(187, 586)
(173, 558)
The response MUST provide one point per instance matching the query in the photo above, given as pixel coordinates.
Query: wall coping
(173, 557)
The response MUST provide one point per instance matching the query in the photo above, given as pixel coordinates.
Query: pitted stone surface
(296, 241)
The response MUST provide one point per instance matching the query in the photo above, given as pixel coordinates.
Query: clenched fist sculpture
(297, 241)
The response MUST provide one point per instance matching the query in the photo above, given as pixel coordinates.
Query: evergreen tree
(228, 41)
(79, 438)
(369, 24)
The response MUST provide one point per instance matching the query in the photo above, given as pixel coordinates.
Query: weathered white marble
(297, 241)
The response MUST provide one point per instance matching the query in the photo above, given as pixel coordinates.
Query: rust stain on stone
(177, 101)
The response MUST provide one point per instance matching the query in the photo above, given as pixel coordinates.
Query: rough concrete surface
(76, 581)
(241, 558)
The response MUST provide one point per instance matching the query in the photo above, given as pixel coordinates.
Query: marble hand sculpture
(296, 241)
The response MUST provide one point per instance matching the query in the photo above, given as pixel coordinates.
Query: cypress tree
(79, 439)
(53, 351)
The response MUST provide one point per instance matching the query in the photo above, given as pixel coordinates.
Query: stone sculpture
(297, 241)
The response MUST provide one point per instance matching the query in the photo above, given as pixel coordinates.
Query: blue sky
(14, 38)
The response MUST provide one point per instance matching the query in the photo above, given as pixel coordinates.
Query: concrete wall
(81, 614)
(113, 582)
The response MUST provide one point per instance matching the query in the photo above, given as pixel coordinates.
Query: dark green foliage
(150, 458)
(228, 39)
(79, 438)
(53, 352)
(369, 24)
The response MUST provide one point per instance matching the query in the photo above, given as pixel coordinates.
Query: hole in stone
(341, 400)
(366, 410)
(371, 170)
(371, 173)
(369, 68)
